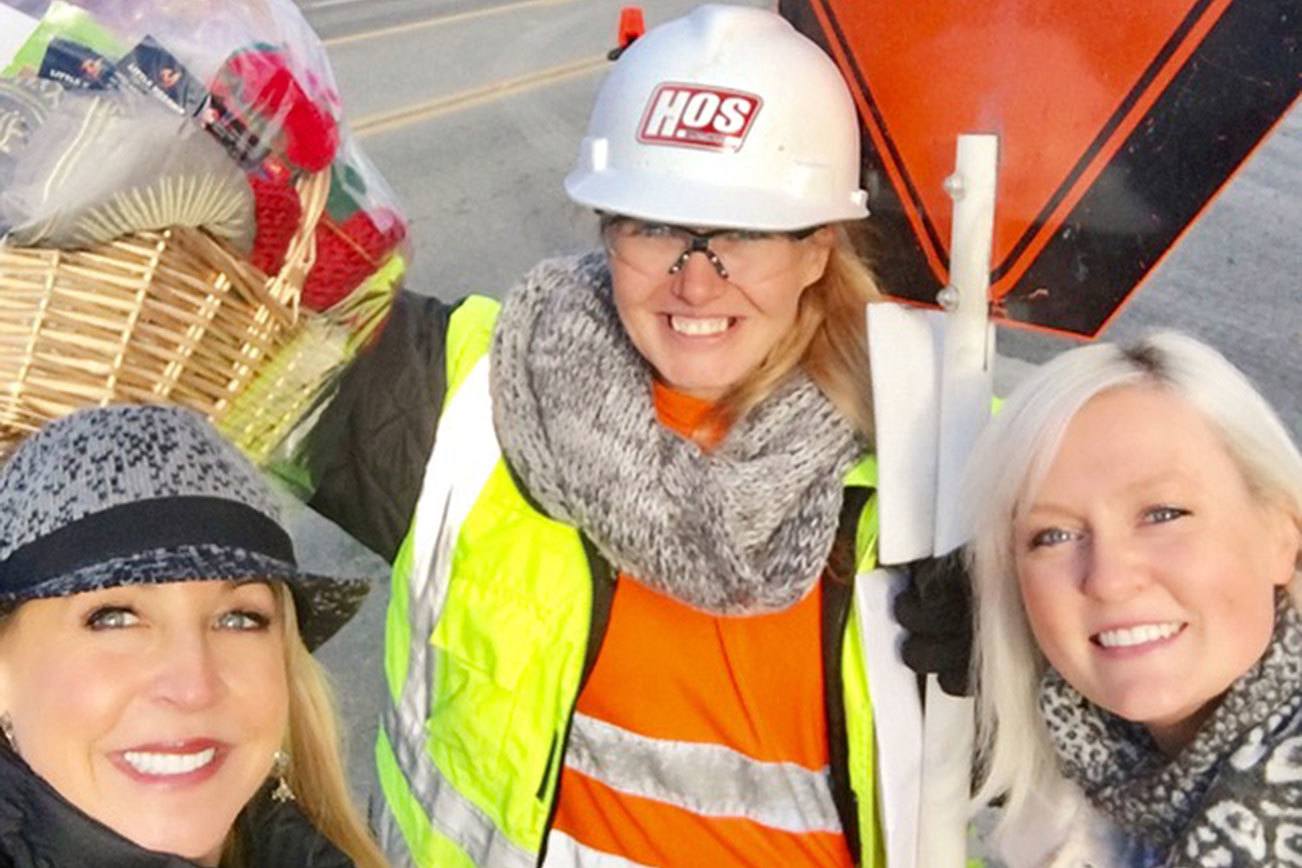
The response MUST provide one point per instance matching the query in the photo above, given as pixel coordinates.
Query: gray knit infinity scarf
(744, 528)
(1232, 797)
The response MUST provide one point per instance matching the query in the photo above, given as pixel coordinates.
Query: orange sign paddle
(1118, 123)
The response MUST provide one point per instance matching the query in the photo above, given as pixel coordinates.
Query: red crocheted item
(277, 210)
(260, 81)
(347, 253)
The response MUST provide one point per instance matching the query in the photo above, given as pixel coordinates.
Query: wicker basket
(292, 382)
(153, 317)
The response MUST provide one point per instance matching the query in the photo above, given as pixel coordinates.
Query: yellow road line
(381, 122)
(438, 21)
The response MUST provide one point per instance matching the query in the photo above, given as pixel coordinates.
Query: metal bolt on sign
(948, 298)
(954, 186)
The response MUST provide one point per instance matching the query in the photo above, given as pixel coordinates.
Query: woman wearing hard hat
(622, 628)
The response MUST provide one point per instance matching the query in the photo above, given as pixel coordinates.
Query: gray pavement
(493, 128)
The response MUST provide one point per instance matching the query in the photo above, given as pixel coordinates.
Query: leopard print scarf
(1232, 797)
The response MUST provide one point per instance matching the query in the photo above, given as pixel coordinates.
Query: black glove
(936, 610)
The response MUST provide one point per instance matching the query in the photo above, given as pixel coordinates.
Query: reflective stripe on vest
(565, 852)
(453, 477)
(408, 775)
(708, 779)
(485, 638)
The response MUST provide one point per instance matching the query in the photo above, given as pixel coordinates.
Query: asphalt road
(473, 112)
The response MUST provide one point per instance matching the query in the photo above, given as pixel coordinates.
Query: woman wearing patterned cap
(158, 699)
(624, 628)
(1137, 545)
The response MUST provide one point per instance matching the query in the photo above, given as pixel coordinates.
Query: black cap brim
(323, 603)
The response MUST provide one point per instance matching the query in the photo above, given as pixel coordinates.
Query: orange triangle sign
(1118, 121)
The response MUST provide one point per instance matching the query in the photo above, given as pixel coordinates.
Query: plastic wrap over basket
(184, 216)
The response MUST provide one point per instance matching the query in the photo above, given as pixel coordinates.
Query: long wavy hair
(315, 771)
(828, 340)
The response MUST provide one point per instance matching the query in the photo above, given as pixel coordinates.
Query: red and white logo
(698, 117)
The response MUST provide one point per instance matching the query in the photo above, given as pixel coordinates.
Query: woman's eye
(1049, 537)
(243, 620)
(750, 235)
(653, 230)
(111, 618)
(1161, 514)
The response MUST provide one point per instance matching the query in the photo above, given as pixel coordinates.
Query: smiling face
(704, 333)
(1147, 566)
(155, 709)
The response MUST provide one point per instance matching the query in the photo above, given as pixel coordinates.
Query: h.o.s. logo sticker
(698, 117)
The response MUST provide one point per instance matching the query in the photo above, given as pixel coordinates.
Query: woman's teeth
(699, 326)
(1126, 637)
(168, 763)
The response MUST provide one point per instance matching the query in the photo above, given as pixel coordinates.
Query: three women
(622, 626)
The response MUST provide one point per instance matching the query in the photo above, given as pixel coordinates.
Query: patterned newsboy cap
(126, 495)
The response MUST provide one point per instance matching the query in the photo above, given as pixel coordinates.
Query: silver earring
(280, 767)
(7, 730)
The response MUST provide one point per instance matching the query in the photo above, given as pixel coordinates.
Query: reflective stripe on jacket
(496, 614)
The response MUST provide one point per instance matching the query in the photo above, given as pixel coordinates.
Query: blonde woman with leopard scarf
(1139, 651)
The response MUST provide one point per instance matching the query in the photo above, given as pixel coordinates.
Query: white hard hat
(726, 117)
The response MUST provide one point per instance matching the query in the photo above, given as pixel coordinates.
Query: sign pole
(932, 390)
(965, 393)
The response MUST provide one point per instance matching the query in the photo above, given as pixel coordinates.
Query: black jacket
(366, 454)
(40, 829)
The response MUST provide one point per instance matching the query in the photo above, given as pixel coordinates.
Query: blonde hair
(1008, 462)
(829, 340)
(316, 771)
